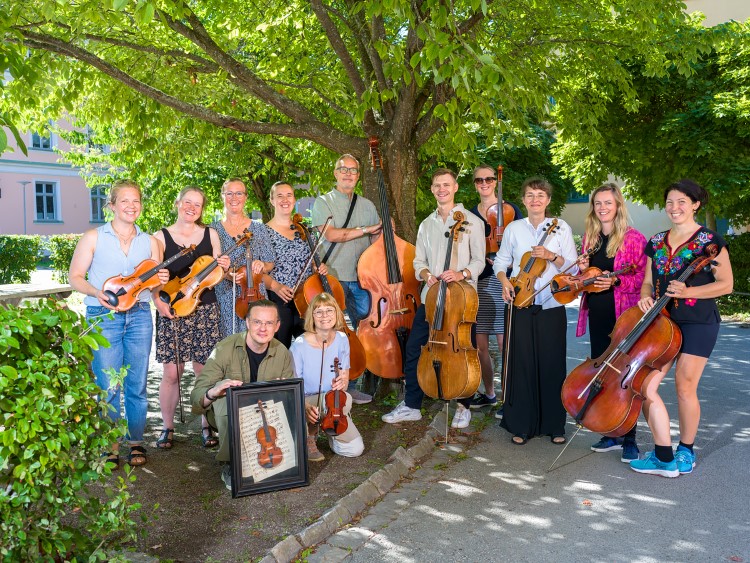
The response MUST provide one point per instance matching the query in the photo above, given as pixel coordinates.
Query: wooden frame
(267, 437)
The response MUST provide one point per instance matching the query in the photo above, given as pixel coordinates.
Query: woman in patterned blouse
(693, 308)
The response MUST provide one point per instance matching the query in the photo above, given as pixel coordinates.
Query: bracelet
(364, 230)
(209, 399)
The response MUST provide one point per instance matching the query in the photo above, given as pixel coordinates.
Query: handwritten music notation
(250, 422)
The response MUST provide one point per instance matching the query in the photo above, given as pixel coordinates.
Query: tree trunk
(710, 219)
(261, 195)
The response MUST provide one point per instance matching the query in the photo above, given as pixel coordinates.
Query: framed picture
(267, 446)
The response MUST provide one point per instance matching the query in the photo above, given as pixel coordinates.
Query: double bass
(448, 365)
(497, 219)
(394, 290)
(605, 394)
(317, 284)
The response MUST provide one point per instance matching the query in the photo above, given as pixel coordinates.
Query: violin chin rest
(164, 296)
(112, 299)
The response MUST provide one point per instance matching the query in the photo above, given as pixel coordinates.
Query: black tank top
(181, 266)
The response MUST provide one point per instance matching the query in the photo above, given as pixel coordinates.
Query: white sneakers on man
(402, 413)
(462, 417)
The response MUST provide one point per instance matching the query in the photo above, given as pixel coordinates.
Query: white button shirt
(520, 236)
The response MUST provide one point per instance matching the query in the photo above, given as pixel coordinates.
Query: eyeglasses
(320, 313)
(234, 194)
(536, 196)
(265, 324)
(347, 170)
(487, 180)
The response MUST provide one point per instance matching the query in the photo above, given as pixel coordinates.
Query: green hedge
(739, 254)
(58, 498)
(18, 257)
(61, 253)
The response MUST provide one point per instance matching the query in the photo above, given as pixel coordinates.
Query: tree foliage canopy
(174, 81)
(686, 124)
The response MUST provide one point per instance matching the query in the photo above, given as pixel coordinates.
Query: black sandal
(137, 456)
(519, 439)
(166, 439)
(114, 459)
(208, 438)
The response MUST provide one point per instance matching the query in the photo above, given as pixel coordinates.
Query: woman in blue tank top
(116, 248)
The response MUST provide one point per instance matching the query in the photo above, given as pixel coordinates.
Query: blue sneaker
(607, 444)
(630, 452)
(685, 460)
(653, 466)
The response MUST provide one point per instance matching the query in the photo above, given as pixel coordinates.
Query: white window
(98, 203)
(47, 208)
(40, 142)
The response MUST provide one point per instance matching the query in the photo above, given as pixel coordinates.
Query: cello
(122, 291)
(394, 290)
(270, 454)
(448, 365)
(183, 294)
(317, 284)
(335, 421)
(496, 220)
(605, 394)
(250, 290)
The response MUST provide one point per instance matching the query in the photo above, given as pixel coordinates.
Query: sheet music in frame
(250, 423)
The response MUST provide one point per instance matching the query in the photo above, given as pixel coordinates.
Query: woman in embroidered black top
(694, 309)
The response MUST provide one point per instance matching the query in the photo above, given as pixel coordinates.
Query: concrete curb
(399, 464)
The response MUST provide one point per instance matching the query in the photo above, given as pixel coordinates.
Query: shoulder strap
(346, 222)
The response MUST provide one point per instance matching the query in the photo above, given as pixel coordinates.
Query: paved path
(499, 503)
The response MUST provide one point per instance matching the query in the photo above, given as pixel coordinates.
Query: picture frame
(267, 437)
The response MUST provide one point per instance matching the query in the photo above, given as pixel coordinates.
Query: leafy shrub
(61, 253)
(18, 257)
(739, 254)
(58, 499)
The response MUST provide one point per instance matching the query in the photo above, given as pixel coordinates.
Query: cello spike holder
(579, 426)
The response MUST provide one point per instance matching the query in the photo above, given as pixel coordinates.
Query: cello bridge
(399, 311)
(613, 367)
(437, 342)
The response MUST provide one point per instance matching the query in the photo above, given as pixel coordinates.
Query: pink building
(42, 194)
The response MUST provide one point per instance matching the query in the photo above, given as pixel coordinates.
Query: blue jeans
(129, 335)
(357, 301)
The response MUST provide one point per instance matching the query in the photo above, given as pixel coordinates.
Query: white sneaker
(401, 413)
(462, 417)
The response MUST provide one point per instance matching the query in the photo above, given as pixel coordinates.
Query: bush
(58, 499)
(739, 254)
(18, 257)
(61, 253)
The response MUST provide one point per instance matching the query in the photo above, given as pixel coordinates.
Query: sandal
(137, 456)
(166, 439)
(519, 439)
(114, 459)
(559, 440)
(208, 438)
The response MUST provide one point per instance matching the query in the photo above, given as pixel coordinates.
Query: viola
(497, 220)
(394, 290)
(565, 288)
(530, 269)
(270, 455)
(122, 291)
(183, 294)
(250, 290)
(335, 420)
(317, 284)
(448, 366)
(605, 394)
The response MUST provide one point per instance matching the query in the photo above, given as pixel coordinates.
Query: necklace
(124, 238)
(235, 226)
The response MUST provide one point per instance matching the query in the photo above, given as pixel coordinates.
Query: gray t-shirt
(343, 261)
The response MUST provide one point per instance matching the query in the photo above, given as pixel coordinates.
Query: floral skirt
(192, 338)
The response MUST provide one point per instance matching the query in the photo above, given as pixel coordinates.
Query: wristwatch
(464, 274)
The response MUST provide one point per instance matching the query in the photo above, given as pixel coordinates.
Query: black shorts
(699, 339)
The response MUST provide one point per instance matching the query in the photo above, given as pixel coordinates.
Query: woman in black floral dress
(290, 254)
(694, 309)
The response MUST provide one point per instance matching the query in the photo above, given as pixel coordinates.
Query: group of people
(274, 341)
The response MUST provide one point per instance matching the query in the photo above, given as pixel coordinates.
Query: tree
(687, 124)
(417, 74)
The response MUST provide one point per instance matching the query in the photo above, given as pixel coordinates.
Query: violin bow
(320, 386)
(312, 255)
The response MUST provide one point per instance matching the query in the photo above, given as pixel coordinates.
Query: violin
(317, 284)
(270, 455)
(183, 294)
(122, 291)
(565, 288)
(448, 366)
(605, 394)
(250, 290)
(394, 290)
(497, 220)
(531, 269)
(335, 420)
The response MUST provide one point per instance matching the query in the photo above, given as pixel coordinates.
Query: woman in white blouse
(536, 345)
